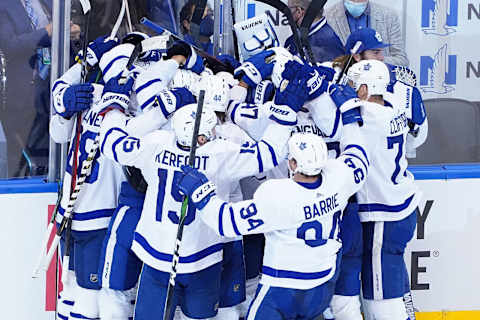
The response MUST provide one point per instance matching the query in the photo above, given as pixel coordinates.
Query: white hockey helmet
(309, 151)
(373, 73)
(255, 35)
(183, 122)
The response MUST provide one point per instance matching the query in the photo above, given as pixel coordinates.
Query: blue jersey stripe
(272, 152)
(369, 207)
(168, 257)
(147, 84)
(232, 114)
(57, 83)
(83, 216)
(105, 138)
(295, 274)
(335, 125)
(234, 225)
(146, 103)
(107, 68)
(259, 158)
(114, 145)
(359, 148)
(355, 156)
(220, 219)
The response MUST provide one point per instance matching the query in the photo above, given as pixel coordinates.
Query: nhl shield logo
(439, 17)
(93, 277)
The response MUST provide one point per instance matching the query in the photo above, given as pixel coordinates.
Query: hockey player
(389, 194)
(159, 154)
(388, 201)
(301, 249)
(90, 213)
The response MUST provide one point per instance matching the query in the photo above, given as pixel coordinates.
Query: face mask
(356, 9)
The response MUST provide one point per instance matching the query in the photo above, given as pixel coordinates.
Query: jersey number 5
(172, 215)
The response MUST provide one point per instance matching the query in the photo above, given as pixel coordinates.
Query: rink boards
(443, 257)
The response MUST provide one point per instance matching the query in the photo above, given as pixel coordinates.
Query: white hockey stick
(153, 43)
(117, 24)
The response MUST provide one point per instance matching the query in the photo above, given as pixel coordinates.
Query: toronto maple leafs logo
(302, 146)
(378, 36)
(438, 74)
(439, 17)
(367, 67)
(193, 114)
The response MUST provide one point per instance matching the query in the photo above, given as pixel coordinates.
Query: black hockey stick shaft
(312, 12)
(181, 223)
(283, 8)
(346, 66)
(155, 27)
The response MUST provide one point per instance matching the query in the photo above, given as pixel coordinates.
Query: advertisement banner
(440, 37)
(24, 221)
(443, 257)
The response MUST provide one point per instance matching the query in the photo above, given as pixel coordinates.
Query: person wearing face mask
(206, 27)
(349, 16)
(325, 43)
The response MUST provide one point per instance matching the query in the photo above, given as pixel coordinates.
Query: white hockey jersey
(389, 194)
(159, 157)
(98, 196)
(300, 221)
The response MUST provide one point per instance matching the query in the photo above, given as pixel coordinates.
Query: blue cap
(369, 38)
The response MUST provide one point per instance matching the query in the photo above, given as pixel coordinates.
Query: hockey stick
(346, 66)
(129, 20)
(145, 45)
(176, 255)
(312, 12)
(283, 8)
(155, 27)
(117, 24)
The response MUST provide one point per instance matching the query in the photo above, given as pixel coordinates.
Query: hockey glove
(116, 95)
(289, 99)
(319, 80)
(345, 98)
(97, 48)
(196, 186)
(171, 100)
(193, 61)
(73, 99)
(262, 93)
(257, 68)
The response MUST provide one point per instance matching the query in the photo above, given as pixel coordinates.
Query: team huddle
(327, 150)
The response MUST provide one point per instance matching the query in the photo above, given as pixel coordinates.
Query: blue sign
(439, 17)
(438, 74)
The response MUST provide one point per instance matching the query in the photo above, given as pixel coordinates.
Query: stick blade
(85, 6)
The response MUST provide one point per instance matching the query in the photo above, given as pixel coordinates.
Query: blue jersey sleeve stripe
(162, 107)
(370, 207)
(282, 122)
(107, 68)
(147, 84)
(355, 156)
(168, 257)
(105, 138)
(146, 103)
(234, 225)
(57, 83)
(335, 125)
(272, 153)
(220, 219)
(114, 145)
(259, 158)
(359, 148)
(232, 114)
(295, 274)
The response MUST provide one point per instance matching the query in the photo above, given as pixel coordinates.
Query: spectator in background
(25, 34)
(206, 27)
(351, 15)
(325, 43)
